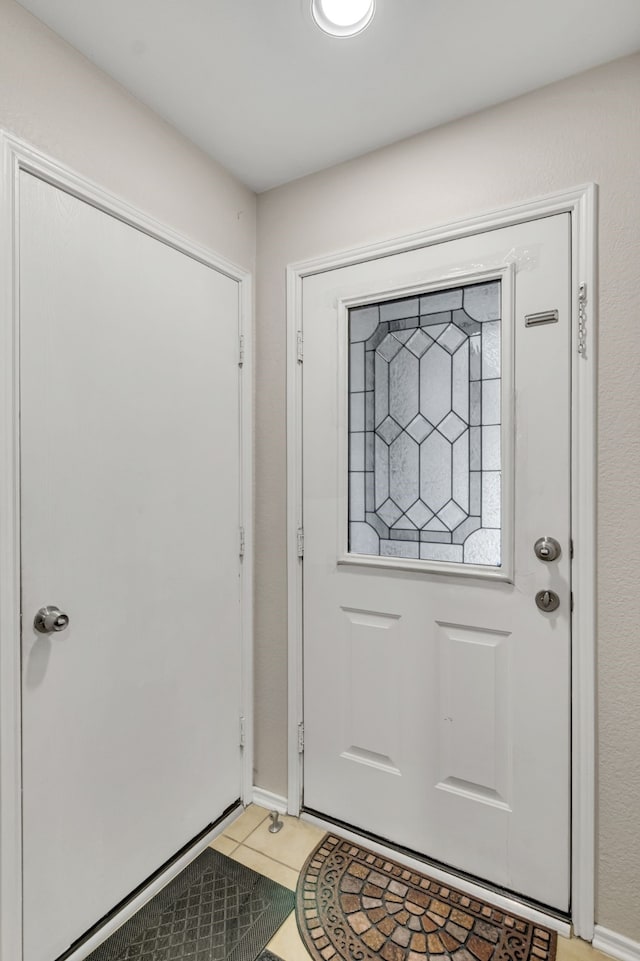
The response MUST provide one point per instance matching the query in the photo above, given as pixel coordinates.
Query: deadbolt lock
(547, 549)
(547, 601)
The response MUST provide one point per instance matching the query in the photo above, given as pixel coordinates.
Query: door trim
(581, 203)
(17, 156)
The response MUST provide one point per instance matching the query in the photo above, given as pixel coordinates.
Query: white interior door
(130, 512)
(436, 446)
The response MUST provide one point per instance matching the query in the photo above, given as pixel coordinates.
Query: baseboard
(273, 802)
(616, 945)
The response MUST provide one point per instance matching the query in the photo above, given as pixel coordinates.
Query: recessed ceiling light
(343, 18)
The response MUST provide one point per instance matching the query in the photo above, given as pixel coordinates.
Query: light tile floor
(281, 856)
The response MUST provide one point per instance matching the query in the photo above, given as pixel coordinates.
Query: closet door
(130, 512)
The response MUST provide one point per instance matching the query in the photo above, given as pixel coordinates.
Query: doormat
(214, 910)
(351, 903)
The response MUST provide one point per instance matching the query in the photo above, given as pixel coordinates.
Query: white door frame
(581, 203)
(17, 156)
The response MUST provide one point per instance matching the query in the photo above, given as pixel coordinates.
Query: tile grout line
(285, 956)
(275, 860)
(268, 857)
(251, 830)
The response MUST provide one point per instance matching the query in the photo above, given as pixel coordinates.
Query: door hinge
(300, 542)
(243, 735)
(299, 347)
(571, 599)
(571, 549)
(242, 540)
(240, 350)
(582, 320)
(300, 738)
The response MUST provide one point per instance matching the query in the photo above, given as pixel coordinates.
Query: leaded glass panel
(424, 427)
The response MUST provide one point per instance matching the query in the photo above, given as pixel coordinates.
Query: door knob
(547, 601)
(547, 549)
(50, 620)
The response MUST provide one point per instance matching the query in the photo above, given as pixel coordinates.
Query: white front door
(436, 452)
(130, 512)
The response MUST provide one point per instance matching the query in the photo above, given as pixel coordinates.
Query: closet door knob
(50, 620)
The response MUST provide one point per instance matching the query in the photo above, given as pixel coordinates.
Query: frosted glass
(419, 513)
(389, 347)
(461, 472)
(356, 451)
(491, 350)
(435, 473)
(380, 389)
(482, 301)
(356, 413)
(380, 471)
(490, 401)
(461, 384)
(441, 300)
(369, 413)
(369, 452)
(475, 352)
(441, 552)
(400, 549)
(475, 460)
(435, 384)
(451, 338)
(404, 396)
(389, 512)
(424, 426)
(491, 448)
(404, 471)
(475, 401)
(419, 428)
(418, 342)
(356, 374)
(491, 499)
(397, 309)
(356, 496)
(363, 539)
(369, 370)
(483, 547)
(363, 322)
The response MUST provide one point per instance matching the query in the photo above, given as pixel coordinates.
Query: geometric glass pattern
(424, 426)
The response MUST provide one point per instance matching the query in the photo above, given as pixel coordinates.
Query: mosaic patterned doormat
(352, 903)
(214, 910)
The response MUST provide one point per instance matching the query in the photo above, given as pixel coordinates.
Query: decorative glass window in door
(424, 427)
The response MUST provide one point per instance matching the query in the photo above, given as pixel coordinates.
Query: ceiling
(258, 87)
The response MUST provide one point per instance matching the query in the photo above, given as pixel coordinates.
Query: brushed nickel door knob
(547, 549)
(50, 620)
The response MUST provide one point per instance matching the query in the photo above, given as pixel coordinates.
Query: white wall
(55, 99)
(583, 129)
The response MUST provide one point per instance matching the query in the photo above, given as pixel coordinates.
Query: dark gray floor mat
(214, 910)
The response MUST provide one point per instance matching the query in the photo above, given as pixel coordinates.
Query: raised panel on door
(373, 665)
(436, 450)
(130, 512)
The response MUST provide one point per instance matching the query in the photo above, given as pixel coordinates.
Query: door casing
(17, 156)
(581, 203)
